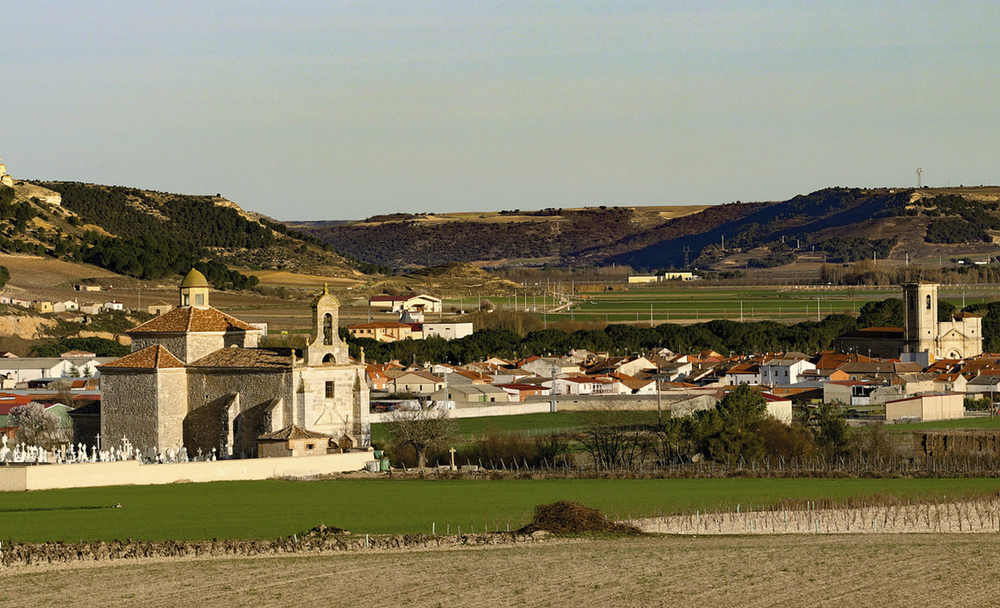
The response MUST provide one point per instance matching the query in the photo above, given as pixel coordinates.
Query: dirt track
(884, 570)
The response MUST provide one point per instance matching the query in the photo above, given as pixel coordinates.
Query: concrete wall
(927, 408)
(131, 472)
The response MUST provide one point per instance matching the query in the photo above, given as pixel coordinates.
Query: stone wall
(128, 407)
(201, 344)
(171, 407)
(337, 415)
(208, 398)
(956, 443)
(175, 344)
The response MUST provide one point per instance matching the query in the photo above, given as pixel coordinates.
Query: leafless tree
(422, 429)
(614, 435)
(34, 424)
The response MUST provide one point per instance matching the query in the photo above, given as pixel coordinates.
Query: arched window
(327, 329)
(328, 359)
(928, 301)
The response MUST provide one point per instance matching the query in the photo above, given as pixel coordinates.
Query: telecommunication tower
(919, 172)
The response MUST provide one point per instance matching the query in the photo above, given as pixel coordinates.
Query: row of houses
(852, 380)
(406, 329)
(46, 306)
(89, 308)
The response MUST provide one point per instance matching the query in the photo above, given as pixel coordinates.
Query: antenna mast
(919, 173)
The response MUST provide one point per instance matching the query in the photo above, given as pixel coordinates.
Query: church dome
(194, 279)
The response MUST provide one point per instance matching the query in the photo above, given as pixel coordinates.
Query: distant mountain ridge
(838, 224)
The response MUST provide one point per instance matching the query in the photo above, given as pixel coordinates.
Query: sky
(323, 110)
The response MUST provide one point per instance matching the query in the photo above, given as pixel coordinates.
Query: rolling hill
(151, 235)
(834, 225)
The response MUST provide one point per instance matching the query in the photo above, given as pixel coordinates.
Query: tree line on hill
(403, 240)
(722, 336)
(159, 235)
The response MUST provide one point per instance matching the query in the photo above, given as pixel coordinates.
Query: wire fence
(974, 465)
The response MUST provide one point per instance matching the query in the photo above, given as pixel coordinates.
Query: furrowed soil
(815, 570)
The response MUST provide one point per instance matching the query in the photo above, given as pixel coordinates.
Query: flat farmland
(272, 509)
(811, 570)
(692, 304)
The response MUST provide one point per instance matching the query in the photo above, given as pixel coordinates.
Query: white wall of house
(780, 372)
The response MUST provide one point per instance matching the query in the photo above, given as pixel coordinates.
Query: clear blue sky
(340, 110)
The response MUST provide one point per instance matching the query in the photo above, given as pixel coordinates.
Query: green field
(268, 509)
(692, 303)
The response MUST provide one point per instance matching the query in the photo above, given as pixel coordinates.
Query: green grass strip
(269, 509)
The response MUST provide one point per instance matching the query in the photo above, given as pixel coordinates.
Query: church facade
(196, 378)
(922, 335)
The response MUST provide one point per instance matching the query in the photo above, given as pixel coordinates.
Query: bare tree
(33, 423)
(422, 429)
(614, 435)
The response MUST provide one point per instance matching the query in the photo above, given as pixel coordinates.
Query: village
(198, 387)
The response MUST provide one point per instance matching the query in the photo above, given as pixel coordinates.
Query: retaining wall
(131, 472)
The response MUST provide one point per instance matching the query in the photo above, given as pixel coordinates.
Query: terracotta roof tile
(256, 358)
(151, 357)
(192, 319)
(292, 432)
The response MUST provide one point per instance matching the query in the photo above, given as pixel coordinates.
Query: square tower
(920, 317)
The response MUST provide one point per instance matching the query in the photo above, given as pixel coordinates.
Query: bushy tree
(885, 313)
(729, 430)
(833, 436)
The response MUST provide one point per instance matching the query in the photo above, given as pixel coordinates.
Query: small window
(329, 390)
(187, 300)
(199, 299)
(928, 302)
(310, 446)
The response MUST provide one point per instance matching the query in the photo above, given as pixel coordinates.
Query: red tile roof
(151, 357)
(292, 432)
(192, 319)
(246, 358)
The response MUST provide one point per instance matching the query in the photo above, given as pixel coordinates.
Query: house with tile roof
(196, 378)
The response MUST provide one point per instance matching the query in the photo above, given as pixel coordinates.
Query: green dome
(194, 279)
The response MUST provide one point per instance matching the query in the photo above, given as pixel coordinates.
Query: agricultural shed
(938, 406)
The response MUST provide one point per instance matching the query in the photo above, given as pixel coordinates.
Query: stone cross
(452, 450)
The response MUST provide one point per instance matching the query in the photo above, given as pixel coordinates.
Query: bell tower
(325, 345)
(920, 317)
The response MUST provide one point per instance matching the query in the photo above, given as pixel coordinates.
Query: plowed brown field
(814, 571)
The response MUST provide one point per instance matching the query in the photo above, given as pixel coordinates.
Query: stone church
(922, 338)
(196, 378)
